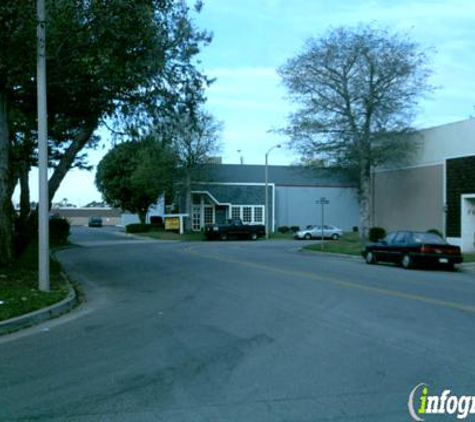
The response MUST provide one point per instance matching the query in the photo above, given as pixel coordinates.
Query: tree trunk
(25, 207)
(27, 224)
(6, 212)
(142, 216)
(67, 160)
(364, 202)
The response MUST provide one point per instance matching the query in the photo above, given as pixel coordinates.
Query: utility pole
(267, 214)
(322, 201)
(43, 203)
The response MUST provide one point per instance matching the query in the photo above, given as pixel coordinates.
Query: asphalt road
(239, 331)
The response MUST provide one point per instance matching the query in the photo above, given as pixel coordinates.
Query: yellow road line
(339, 282)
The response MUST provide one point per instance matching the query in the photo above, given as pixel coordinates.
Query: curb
(41, 315)
(337, 255)
(467, 267)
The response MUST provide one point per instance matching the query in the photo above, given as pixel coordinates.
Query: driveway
(238, 331)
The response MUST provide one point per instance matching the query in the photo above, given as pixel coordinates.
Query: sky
(253, 38)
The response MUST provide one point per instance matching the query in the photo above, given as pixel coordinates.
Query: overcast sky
(252, 38)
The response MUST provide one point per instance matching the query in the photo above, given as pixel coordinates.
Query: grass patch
(348, 244)
(469, 257)
(281, 236)
(19, 292)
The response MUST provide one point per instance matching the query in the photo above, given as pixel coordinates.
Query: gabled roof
(279, 175)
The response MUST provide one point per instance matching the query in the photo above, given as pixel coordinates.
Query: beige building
(437, 190)
(80, 216)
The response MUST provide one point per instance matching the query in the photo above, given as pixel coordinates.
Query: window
(258, 214)
(236, 212)
(400, 237)
(209, 215)
(247, 214)
(196, 218)
(390, 237)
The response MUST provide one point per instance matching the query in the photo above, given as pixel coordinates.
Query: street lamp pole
(43, 203)
(267, 189)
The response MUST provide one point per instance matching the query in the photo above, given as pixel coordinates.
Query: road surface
(238, 331)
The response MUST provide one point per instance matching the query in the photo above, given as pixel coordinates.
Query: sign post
(322, 201)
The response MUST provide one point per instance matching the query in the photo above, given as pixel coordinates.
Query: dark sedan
(95, 222)
(411, 248)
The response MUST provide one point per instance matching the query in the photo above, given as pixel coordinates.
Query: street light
(267, 193)
(241, 158)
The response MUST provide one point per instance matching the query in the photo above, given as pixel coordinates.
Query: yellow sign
(172, 223)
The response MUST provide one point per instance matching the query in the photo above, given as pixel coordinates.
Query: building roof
(279, 175)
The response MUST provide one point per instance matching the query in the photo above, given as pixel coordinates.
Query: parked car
(95, 222)
(235, 228)
(315, 232)
(411, 248)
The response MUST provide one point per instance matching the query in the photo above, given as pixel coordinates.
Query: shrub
(376, 233)
(138, 228)
(435, 231)
(156, 220)
(294, 229)
(355, 229)
(26, 232)
(59, 230)
(283, 229)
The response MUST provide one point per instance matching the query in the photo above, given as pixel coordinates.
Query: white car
(315, 232)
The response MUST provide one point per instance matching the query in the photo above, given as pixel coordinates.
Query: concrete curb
(468, 267)
(332, 254)
(41, 315)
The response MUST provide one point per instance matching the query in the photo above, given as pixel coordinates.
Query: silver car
(315, 232)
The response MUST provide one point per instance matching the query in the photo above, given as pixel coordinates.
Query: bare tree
(195, 141)
(194, 135)
(356, 92)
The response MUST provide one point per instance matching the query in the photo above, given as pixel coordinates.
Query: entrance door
(468, 223)
(221, 214)
(208, 217)
(196, 218)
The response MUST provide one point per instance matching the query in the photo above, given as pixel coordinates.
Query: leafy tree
(17, 62)
(356, 91)
(126, 62)
(134, 174)
(112, 60)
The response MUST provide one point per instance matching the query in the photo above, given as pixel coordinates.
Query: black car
(234, 228)
(411, 248)
(95, 222)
